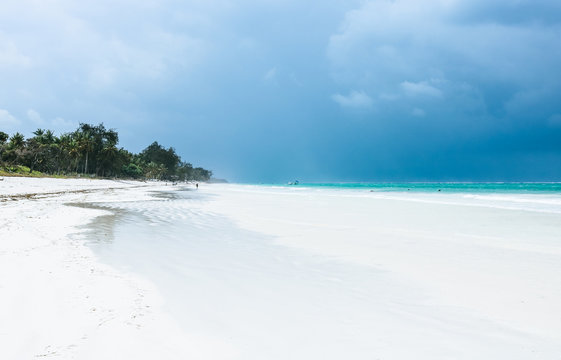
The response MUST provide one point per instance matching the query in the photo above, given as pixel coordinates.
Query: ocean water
(337, 271)
(450, 187)
(524, 196)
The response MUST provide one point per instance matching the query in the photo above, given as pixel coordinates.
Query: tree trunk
(86, 166)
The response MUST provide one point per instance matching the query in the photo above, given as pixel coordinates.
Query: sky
(273, 91)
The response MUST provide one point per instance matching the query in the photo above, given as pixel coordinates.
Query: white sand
(57, 300)
(265, 273)
(467, 276)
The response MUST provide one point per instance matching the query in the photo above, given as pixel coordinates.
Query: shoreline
(235, 272)
(56, 297)
(495, 266)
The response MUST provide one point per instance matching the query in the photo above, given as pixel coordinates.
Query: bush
(132, 170)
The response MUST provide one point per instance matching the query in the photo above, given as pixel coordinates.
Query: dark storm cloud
(277, 90)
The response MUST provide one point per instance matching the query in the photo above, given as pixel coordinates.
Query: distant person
(197, 185)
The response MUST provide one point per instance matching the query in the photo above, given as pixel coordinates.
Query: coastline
(117, 270)
(56, 298)
(480, 270)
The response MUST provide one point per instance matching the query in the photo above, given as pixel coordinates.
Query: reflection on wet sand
(102, 228)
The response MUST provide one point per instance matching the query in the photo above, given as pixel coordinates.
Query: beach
(56, 298)
(109, 269)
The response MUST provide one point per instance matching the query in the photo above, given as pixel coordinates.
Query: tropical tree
(154, 171)
(107, 154)
(132, 170)
(93, 149)
(184, 171)
(40, 151)
(14, 149)
(85, 143)
(3, 138)
(64, 158)
(17, 141)
(157, 154)
(200, 174)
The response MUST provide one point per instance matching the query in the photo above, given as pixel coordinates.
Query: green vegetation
(90, 151)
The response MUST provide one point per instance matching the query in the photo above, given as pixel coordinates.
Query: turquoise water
(455, 187)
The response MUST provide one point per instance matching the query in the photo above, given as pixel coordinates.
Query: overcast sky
(277, 90)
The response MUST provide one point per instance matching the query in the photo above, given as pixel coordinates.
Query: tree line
(92, 151)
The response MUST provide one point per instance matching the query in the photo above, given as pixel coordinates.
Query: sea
(450, 187)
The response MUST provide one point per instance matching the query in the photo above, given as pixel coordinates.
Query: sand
(56, 299)
(248, 272)
(458, 275)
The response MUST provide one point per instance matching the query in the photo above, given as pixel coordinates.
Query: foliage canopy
(92, 150)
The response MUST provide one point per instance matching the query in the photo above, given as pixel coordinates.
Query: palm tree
(66, 154)
(107, 148)
(14, 149)
(16, 141)
(3, 138)
(85, 144)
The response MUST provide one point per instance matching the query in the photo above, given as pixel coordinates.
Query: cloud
(10, 55)
(63, 125)
(389, 97)
(497, 49)
(420, 89)
(93, 51)
(8, 120)
(57, 124)
(198, 70)
(355, 99)
(35, 117)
